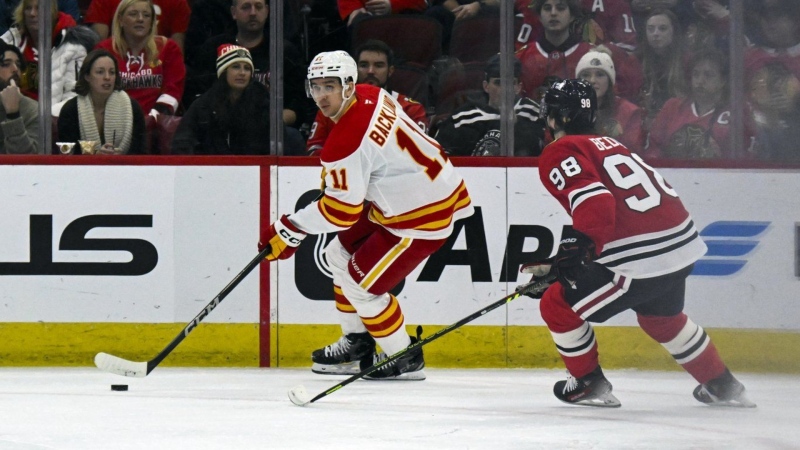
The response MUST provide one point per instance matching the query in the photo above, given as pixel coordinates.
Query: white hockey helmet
(336, 64)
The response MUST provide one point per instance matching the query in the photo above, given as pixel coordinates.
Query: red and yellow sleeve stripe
(341, 214)
(432, 217)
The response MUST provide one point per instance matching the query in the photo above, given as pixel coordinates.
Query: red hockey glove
(284, 238)
(538, 270)
(575, 252)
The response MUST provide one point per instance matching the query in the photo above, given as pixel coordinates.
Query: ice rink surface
(74, 408)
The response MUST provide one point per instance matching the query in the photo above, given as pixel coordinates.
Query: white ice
(74, 408)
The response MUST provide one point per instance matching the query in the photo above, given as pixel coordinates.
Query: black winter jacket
(214, 126)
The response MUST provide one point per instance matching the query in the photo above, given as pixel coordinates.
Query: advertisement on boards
(137, 244)
(748, 278)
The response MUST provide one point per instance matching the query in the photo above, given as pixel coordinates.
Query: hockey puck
(119, 387)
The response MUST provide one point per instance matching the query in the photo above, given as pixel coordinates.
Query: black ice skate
(407, 367)
(591, 390)
(725, 390)
(343, 356)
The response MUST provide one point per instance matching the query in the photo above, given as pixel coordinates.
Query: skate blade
(350, 368)
(607, 400)
(739, 402)
(418, 375)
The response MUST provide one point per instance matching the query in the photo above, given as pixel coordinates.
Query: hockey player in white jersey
(393, 196)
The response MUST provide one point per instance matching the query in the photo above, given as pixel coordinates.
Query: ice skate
(343, 356)
(591, 390)
(407, 367)
(725, 390)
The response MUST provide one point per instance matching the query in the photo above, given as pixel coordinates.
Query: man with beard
(375, 67)
(19, 122)
(251, 17)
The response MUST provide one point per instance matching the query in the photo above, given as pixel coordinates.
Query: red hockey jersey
(634, 217)
(679, 132)
(160, 82)
(615, 19)
(537, 64)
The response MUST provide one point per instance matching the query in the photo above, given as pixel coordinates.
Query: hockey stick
(300, 397)
(124, 367)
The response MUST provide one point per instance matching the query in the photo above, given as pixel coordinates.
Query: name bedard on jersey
(657, 243)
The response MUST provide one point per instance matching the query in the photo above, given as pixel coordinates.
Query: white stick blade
(119, 366)
(299, 396)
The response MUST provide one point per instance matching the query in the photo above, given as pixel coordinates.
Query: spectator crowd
(194, 76)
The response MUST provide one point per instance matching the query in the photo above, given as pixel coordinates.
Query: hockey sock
(387, 326)
(687, 342)
(573, 336)
(350, 321)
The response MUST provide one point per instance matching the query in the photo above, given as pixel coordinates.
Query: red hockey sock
(687, 342)
(573, 336)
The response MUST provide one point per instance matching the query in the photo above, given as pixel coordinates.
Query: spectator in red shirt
(616, 117)
(531, 27)
(615, 19)
(150, 66)
(698, 126)
(171, 16)
(557, 51)
(772, 69)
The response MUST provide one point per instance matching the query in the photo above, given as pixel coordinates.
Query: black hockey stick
(124, 367)
(300, 397)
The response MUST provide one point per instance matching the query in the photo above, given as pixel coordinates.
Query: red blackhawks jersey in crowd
(172, 15)
(541, 59)
(614, 18)
(678, 131)
(376, 153)
(148, 84)
(531, 28)
(636, 220)
(322, 125)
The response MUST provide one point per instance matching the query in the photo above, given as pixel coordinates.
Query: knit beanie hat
(492, 69)
(594, 59)
(228, 54)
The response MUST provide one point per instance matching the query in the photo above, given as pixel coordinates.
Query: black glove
(538, 270)
(575, 252)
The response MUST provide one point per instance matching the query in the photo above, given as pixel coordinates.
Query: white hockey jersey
(376, 153)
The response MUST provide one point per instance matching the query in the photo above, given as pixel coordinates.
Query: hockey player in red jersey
(631, 246)
(374, 153)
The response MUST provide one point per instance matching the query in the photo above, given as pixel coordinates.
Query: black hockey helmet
(573, 104)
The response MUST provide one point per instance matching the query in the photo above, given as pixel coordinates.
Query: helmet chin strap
(345, 100)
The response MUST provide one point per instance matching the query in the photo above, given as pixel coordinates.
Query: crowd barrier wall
(118, 254)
